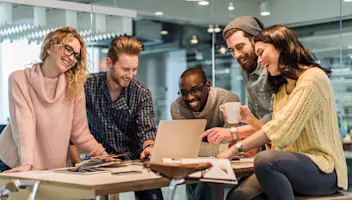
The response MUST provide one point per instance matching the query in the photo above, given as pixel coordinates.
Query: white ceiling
(323, 41)
(291, 12)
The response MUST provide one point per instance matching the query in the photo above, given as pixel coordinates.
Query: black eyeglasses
(193, 91)
(68, 50)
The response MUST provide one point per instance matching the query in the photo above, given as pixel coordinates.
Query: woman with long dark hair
(306, 155)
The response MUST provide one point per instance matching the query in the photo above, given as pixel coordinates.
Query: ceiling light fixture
(194, 39)
(231, 7)
(210, 28)
(203, 3)
(158, 13)
(347, 0)
(164, 32)
(217, 29)
(264, 8)
(222, 49)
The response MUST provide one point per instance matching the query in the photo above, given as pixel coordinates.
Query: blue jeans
(199, 191)
(3, 166)
(153, 194)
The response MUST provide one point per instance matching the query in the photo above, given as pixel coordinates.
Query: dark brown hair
(292, 54)
(230, 32)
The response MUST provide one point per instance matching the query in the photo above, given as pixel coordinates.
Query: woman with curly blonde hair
(76, 75)
(47, 107)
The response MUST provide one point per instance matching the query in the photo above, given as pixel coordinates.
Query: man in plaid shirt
(120, 109)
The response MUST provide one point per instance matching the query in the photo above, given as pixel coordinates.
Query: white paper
(221, 169)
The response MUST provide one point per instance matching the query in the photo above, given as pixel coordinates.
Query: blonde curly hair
(77, 75)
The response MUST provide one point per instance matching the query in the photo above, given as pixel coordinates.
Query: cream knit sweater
(43, 121)
(306, 122)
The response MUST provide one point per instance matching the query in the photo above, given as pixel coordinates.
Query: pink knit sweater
(43, 121)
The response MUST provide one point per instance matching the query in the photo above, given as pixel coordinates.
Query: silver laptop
(178, 139)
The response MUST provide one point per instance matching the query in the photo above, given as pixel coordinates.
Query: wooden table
(71, 186)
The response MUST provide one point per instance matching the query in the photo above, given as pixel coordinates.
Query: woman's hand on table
(228, 154)
(22, 168)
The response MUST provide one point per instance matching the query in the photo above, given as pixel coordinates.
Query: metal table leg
(16, 185)
(172, 187)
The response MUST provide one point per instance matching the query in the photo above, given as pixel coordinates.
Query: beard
(120, 81)
(248, 62)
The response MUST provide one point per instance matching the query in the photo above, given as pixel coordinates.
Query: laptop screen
(178, 139)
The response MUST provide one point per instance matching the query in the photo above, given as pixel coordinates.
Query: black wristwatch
(149, 145)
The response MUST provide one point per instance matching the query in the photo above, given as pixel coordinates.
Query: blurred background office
(178, 34)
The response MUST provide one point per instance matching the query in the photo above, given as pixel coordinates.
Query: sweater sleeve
(175, 111)
(80, 135)
(22, 119)
(289, 122)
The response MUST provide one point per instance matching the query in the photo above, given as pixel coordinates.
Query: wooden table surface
(55, 185)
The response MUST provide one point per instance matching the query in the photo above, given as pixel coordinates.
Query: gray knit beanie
(248, 24)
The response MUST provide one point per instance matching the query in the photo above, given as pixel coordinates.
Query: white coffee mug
(233, 111)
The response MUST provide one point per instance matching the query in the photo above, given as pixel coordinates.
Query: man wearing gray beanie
(239, 34)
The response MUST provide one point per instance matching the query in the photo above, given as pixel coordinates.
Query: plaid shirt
(121, 126)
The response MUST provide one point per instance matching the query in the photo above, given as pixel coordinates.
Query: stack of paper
(220, 172)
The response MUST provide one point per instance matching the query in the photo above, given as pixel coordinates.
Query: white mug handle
(222, 107)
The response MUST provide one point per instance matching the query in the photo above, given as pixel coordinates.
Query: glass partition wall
(178, 35)
(24, 26)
